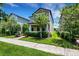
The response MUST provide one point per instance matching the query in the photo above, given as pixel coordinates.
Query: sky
(26, 9)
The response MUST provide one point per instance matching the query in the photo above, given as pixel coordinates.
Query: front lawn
(7, 49)
(12, 36)
(54, 40)
(7, 36)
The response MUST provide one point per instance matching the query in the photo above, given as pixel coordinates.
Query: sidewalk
(43, 47)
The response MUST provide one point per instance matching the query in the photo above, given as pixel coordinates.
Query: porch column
(29, 28)
(21, 29)
(47, 28)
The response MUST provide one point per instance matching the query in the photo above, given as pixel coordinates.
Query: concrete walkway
(77, 41)
(17, 38)
(43, 47)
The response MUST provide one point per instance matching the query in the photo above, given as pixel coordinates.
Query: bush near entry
(67, 36)
(37, 34)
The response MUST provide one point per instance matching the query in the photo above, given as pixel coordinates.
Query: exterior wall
(51, 23)
(42, 10)
(32, 26)
(19, 20)
(29, 28)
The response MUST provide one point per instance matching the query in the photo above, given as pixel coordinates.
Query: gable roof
(46, 10)
(42, 9)
(18, 16)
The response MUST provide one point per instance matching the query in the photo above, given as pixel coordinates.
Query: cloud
(56, 17)
(56, 13)
(55, 8)
(33, 5)
(12, 4)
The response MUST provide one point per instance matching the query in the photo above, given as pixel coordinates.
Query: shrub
(76, 36)
(33, 34)
(58, 33)
(45, 34)
(36, 34)
(18, 34)
(25, 28)
(18, 27)
(9, 27)
(67, 36)
(3, 30)
(7, 32)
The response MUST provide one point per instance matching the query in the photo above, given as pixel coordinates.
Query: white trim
(29, 28)
(47, 28)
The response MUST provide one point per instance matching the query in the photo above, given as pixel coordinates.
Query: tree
(25, 28)
(18, 28)
(41, 19)
(69, 20)
(1, 4)
(2, 28)
(3, 15)
(9, 27)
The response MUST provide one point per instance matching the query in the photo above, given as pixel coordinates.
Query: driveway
(43, 47)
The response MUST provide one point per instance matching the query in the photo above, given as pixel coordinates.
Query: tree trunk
(40, 32)
(21, 29)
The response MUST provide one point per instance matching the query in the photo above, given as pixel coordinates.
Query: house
(48, 28)
(33, 27)
(20, 20)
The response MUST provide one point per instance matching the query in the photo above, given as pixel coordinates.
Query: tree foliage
(3, 15)
(69, 20)
(9, 27)
(41, 19)
(25, 28)
(1, 4)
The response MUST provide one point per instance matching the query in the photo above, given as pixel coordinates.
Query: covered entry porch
(36, 28)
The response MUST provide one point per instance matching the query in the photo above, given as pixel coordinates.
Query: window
(43, 29)
(32, 29)
(38, 29)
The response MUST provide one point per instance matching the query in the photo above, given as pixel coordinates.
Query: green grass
(7, 49)
(12, 36)
(54, 40)
(7, 36)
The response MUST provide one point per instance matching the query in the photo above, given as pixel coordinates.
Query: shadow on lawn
(52, 41)
(64, 43)
(36, 38)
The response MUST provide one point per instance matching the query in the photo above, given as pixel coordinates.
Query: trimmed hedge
(37, 34)
(33, 34)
